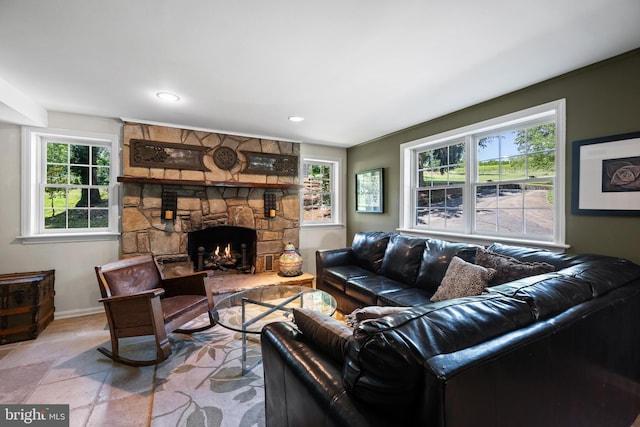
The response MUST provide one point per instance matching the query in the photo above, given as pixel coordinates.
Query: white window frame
(336, 191)
(32, 198)
(408, 167)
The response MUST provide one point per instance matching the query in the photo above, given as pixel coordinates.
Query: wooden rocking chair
(139, 300)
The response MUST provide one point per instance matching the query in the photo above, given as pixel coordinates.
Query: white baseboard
(80, 312)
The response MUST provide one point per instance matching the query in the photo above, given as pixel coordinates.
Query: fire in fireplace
(223, 259)
(225, 249)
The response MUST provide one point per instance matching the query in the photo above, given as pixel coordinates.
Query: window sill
(484, 240)
(62, 238)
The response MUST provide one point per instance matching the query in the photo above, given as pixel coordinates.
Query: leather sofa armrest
(332, 257)
(312, 383)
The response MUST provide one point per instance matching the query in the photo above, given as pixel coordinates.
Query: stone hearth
(206, 199)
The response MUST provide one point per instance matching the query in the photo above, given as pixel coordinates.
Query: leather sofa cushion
(604, 273)
(436, 258)
(367, 289)
(369, 248)
(384, 362)
(547, 294)
(337, 276)
(402, 258)
(558, 260)
(325, 332)
(405, 297)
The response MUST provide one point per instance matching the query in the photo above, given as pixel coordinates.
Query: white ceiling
(356, 70)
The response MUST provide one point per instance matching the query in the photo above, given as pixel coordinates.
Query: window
(68, 184)
(319, 196)
(495, 180)
(441, 177)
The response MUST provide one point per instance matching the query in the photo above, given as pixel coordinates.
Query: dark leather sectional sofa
(560, 348)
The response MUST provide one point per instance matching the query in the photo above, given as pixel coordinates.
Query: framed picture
(166, 155)
(606, 176)
(270, 164)
(369, 190)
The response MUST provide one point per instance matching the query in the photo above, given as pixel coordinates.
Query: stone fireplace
(210, 202)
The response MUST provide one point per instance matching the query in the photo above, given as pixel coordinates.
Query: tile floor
(62, 366)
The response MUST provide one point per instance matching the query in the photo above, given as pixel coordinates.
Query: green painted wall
(602, 99)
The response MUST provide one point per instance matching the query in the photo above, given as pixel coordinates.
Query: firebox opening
(223, 248)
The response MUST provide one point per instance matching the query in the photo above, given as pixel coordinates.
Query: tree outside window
(318, 194)
(77, 186)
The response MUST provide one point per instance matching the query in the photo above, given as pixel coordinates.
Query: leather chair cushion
(132, 280)
(367, 289)
(402, 258)
(325, 332)
(337, 276)
(369, 248)
(436, 258)
(186, 307)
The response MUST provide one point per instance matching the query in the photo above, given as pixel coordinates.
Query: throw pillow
(509, 269)
(371, 312)
(324, 331)
(462, 279)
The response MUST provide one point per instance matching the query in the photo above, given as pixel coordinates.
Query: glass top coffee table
(249, 310)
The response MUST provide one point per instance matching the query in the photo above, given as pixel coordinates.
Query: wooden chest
(26, 304)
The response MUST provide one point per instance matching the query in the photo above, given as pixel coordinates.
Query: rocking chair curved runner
(138, 300)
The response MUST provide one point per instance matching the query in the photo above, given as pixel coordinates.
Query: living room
(598, 83)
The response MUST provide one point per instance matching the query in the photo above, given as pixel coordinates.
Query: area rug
(201, 384)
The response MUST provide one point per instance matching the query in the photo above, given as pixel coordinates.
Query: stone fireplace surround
(205, 199)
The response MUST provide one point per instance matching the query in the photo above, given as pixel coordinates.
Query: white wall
(77, 291)
(323, 237)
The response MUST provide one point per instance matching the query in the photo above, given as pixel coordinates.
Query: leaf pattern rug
(201, 384)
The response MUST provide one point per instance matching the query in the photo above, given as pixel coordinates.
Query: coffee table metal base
(247, 322)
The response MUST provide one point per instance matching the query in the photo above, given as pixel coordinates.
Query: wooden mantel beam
(139, 180)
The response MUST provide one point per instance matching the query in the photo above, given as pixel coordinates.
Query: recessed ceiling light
(296, 118)
(167, 96)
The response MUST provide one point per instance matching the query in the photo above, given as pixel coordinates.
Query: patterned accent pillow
(462, 279)
(359, 315)
(509, 269)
